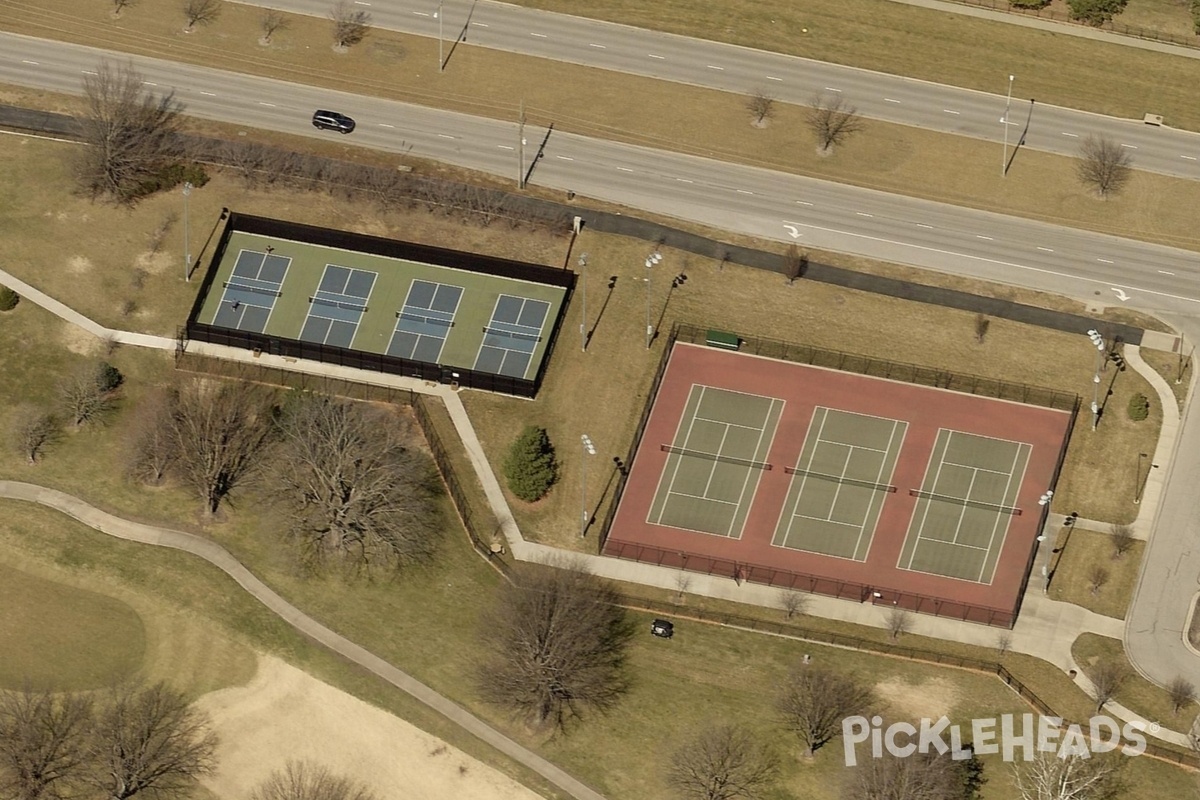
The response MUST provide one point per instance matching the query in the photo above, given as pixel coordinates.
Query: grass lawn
(1138, 694)
(887, 157)
(1083, 550)
(1175, 369)
(65, 637)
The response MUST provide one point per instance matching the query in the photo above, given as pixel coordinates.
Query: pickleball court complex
(380, 304)
(844, 484)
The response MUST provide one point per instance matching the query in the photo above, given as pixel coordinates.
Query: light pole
(589, 449)
(438, 15)
(1138, 486)
(651, 260)
(1007, 108)
(187, 247)
(1044, 501)
(1098, 341)
(583, 318)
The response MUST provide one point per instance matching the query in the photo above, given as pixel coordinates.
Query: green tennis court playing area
(466, 312)
(839, 483)
(965, 505)
(713, 464)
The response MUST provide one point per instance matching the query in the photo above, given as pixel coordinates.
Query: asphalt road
(793, 80)
(730, 197)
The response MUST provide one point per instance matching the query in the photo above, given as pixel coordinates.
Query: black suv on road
(332, 121)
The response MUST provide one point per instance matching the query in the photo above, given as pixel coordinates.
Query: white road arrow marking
(1120, 293)
(792, 231)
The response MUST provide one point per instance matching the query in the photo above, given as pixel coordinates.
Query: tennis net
(879, 487)
(962, 501)
(324, 301)
(255, 289)
(741, 462)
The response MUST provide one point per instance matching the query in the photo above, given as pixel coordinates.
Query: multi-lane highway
(759, 202)
(793, 80)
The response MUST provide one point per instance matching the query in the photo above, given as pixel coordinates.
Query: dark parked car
(662, 628)
(332, 121)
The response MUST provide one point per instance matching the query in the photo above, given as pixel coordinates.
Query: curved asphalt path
(220, 557)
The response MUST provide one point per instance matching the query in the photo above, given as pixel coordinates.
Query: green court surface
(964, 507)
(714, 464)
(839, 484)
(377, 304)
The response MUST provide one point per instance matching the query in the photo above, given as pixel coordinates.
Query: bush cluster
(169, 177)
(1139, 407)
(8, 299)
(1095, 12)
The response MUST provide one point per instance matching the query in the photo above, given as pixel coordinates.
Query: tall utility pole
(583, 292)
(187, 246)
(521, 147)
(441, 61)
(1007, 108)
(589, 449)
(651, 260)
(1098, 341)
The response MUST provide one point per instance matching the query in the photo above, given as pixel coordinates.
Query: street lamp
(583, 289)
(438, 16)
(589, 449)
(651, 260)
(1098, 341)
(1044, 501)
(1138, 485)
(1007, 108)
(187, 247)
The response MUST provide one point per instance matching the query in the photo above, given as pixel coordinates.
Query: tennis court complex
(814, 479)
(839, 483)
(965, 506)
(292, 289)
(714, 462)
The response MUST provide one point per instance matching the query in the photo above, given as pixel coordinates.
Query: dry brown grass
(887, 157)
(1080, 551)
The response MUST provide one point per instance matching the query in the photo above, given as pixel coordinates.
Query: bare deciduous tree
(762, 105)
(1122, 539)
(350, 24)
(304, 780)
(126, 129)
(683, 582)
(982, 323)
(1108, 676)
(792, 602)
(149, 740)
(121, 5)
(921, 776)
(43, 743)
(1104, 165)
(1075, 777)
(1003, 642)
(33, 428)
(723, 763)
(555, 642)
(361, 493)
(899, 621)
(1097, 577)
(832, 120)
(220, 432)
(1182, 692)
(152, 441)
(814, 701)
(795, 263)
(201, 12)
(86, 393)
(271, 22)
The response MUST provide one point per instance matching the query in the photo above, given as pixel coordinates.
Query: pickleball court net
(254, 289)
(741, 462)
(962, 501)
(321, 301)
(528, 337)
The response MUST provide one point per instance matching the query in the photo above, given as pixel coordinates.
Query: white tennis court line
(1008, 519)
(735, 424)
(977, 469)
(820, 519)
(702, 497)
(928, 504)
(679, 459)
(749, 470)
(720, 447)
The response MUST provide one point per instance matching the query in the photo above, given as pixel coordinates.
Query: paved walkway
(1045, 628)
(221, 558)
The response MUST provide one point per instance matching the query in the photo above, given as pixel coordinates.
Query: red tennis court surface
(838, 483)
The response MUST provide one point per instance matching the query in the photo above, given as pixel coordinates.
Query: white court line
(678, 459)
(1000, 514)
(713, 471)
(757, 448)
(701, 497)
(981, 469)
(963, 513)
(928, 502)
(732, 424)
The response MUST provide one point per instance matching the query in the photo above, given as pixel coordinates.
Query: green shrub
(169, 177)
(1196, 15)
(530, 467)
(1139, 407)
(108, 377)
(1029, 3)
(1095, 12)
(8, 299)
